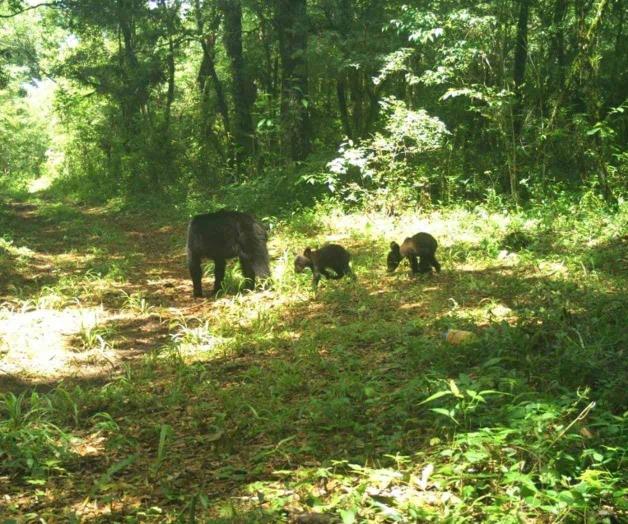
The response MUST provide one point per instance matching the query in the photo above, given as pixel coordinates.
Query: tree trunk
(521, 54)
(242, 87)
(171, 83)
(558, 44)
(170, 13)
(342, 106)
(292, 26)
(373, 100)
(344, 20)
(585, 49)
(207, 69)
(519, 69)
(266, 41)
(357, 96)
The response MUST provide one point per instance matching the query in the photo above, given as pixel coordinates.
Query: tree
(519, 70)
(291, 23)
(242, 89)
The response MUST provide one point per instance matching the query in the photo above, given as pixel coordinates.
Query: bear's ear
(307, 252)
(394, 245)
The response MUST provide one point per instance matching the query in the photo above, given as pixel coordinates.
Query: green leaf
(348, 516)
(435, 396)
(476, 455)
(518, 478)
(106, 477)
(445, 412)
(454, 388)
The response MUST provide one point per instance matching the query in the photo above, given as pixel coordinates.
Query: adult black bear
(422, 245)
(223, 235)
(331, 256)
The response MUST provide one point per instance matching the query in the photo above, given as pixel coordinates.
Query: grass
(342, 405)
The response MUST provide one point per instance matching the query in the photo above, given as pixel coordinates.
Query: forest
(427, 320)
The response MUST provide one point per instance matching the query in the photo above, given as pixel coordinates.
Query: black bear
(421, 245)
(331, 256)
(223, 235)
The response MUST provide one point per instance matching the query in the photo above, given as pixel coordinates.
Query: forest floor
(124, 399)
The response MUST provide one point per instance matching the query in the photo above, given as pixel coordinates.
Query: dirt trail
(59, 318)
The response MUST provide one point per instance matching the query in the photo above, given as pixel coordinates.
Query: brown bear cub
(421, 245)
(331, 256)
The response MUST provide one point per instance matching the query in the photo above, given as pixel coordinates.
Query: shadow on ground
(336, 375)
(340, 375)
(84, 241)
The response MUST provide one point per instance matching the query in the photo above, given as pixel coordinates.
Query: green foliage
(387, 166)
(150, 103)
(31, 445)
(348, 401)
(23, 139)
(24, 119)
(345, 403)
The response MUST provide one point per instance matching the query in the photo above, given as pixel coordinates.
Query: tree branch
(31, 7)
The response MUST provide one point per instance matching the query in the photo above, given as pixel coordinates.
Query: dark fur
(331, 256)
(223, 235)
(421, 245)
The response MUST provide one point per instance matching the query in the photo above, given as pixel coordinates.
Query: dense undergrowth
(344, 405)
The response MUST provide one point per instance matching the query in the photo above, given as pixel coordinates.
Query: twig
(583, 414)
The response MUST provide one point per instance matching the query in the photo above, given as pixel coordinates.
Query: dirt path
(83, 290)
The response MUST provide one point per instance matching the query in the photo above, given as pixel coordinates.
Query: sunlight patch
(11, 248)
(37, 342)
(553, 268)
(39, 184)
(89, 446)
(386, 494)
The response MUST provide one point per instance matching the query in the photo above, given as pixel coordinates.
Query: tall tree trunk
(266, 41)
(585, 50)
(344, 20)
(558, 41)
(170, 13)
(373, 100)
(519, 70)
(621, 48)
(242, 87)
(292, 27)
(207, 69)
(135, 95)
(358, 100)
(171, 83)
(357, 96)
(137, 88)
(342, 105)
